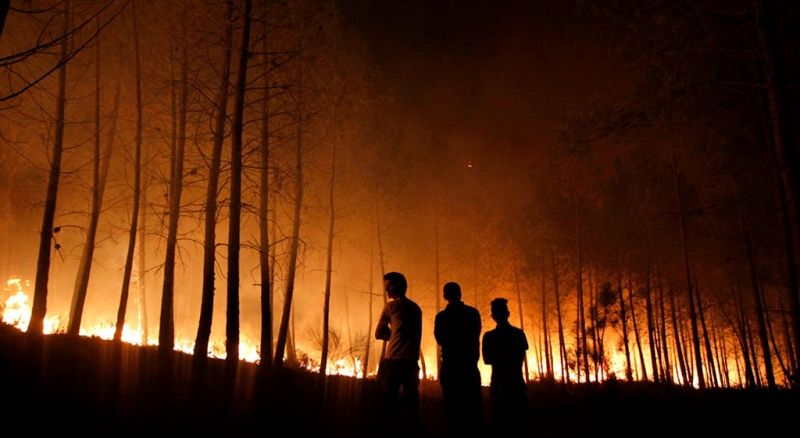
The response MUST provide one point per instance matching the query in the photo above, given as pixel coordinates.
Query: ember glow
(17, 310)
(17, 313)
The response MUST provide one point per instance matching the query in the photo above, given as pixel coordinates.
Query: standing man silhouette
(504, 349)
(400, 323)
(457, 329)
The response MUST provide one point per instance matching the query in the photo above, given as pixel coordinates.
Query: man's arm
(523, 343)
(476, 323)
(382, 330)
(438, 329)
(486, 348)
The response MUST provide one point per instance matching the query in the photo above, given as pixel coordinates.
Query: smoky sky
(493, 79)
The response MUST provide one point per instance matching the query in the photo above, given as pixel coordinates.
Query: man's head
(395, 285)
(500, 311)
(452, 292)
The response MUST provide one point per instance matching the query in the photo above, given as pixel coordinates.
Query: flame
(16, 311)
(340, 367)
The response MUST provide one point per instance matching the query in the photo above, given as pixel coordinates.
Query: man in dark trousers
(504, 349)
(401, 325)
(457, 329)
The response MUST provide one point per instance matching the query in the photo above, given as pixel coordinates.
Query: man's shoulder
(472, 311)
(412, 305)
(511, 330)
(460, 308)
(520, 334)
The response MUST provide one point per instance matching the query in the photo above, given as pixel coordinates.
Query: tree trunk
(522, 322)
(142, 265)
(538, 348)
(787, 339)
(742, 337)
(688, 352)
(422, 363)
(635, 325)
(684, 243)
(368, 347)
(142, 274)
(562, 347)
(754, 355)
(39, 310)
(263, 215)
(291, 350)
(624, 318)
(738, 369)
(721, 354)
(234, 223)
(166, 330)
(663, 321)
(85, 266)
(662, 313)
(137, 187)
(351, 346)
(273, 259)
(677, 337)
(326, 308)
(650, 322)
(548, 351)
(777, 352)
(382, 272)
(298, 205)
(602, 342)
(759, 310)
(712, 372)
(437, 292)
(594, 317)
(212, 190)
(581, 319)
(783, 142)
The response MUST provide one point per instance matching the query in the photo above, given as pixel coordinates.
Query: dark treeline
(671, 210)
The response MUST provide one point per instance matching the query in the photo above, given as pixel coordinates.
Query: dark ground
(61, 383)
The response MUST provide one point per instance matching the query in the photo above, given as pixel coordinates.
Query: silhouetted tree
(326, 309)
(99, 177)
(212, 190)
(46, 233)
(234, 223)
(137, 188)
(166, 331)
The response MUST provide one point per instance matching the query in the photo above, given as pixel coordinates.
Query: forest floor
(59, 383)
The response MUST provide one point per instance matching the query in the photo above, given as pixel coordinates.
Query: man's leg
(447, 396)
(411, 392)
(390, 383)
(473, 399)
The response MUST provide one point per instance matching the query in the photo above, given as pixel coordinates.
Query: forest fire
(580, 196)
(17, 312)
